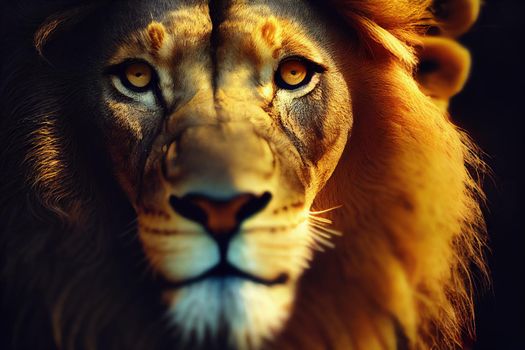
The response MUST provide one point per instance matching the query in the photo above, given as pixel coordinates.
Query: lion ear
(444, 64)
(443, 68)
(455, 17)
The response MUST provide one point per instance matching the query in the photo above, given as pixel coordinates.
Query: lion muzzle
(218, 176)
(219, 161)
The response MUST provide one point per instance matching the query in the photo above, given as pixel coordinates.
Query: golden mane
(413, 231)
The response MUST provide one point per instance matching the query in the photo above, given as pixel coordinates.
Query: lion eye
(138, 75)
(293, 73)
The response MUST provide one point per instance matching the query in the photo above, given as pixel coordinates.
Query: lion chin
(250, 311)
(266, 174)
(240, 295)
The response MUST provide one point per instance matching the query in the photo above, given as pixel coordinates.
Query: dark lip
(225, 270)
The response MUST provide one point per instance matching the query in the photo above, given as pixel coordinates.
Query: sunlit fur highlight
(412, 224)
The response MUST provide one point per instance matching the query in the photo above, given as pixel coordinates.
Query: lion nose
(219, 217)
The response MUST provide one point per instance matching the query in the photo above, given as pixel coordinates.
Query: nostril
(219, 217)
(186, 208)
(253, 206)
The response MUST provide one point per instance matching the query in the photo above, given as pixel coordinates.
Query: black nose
(219, 217)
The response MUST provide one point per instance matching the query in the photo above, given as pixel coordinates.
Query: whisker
(324, 241)
(315, 245)
(129, 230)
(148, 270)
(321, 233)
(326, 229)
(321, 219)
(325, 210)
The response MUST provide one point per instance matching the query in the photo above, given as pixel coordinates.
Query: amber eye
(138, 75)
(293, 73)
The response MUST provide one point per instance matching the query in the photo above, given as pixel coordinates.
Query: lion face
(224, 123)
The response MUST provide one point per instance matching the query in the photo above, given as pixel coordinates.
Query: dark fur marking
(297, 204)
(217, 12)
(402, 339)
(155, 212)
(158, 231)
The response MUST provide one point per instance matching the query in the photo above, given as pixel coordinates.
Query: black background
(491, 109)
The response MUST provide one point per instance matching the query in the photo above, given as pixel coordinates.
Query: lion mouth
(224, 271)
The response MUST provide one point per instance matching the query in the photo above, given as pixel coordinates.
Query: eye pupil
(138, 75)
(293, 73)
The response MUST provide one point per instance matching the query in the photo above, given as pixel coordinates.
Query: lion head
(176, 169)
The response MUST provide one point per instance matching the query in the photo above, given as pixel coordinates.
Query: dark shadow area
(491, 110)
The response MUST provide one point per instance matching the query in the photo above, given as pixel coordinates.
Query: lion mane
(407, 188)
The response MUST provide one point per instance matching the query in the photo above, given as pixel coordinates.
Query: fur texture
(73, 270)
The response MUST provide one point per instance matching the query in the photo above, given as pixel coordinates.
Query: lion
(185, 174)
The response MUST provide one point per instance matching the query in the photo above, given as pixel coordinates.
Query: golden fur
(404, 192)
(410, 213)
